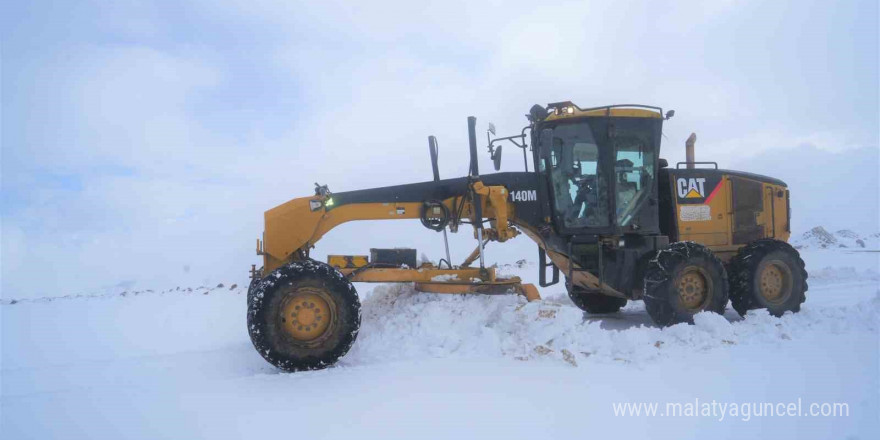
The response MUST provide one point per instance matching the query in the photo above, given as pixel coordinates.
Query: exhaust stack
(689, 150)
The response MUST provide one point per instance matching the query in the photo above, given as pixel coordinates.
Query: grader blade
(429, 278)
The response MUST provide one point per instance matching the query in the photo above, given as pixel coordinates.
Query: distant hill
(819, 238)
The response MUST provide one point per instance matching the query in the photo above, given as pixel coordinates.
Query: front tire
(767, 274)
(683, 280)
(303, 316)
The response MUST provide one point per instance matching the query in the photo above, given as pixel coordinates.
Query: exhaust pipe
(689, 150)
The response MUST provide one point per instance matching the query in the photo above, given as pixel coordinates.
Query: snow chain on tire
(272, 298)
(670, 269)
(745, 282)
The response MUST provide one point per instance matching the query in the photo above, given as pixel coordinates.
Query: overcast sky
(142, 141)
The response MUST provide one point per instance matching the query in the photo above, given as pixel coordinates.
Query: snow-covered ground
(178, 364)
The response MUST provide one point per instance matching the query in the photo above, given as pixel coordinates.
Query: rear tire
(303, 316)
(595, 302)
(683, 280)
(254, 283)
(767, 274)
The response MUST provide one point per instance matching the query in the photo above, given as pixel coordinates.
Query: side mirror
(663, 163)
(670, 114)
(494, 152)
(496, 158)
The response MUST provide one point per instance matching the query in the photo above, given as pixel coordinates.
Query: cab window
(579, 186)
(634, 171)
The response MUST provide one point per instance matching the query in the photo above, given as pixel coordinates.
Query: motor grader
(604, 209)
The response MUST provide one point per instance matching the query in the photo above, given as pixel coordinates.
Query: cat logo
(691, 188)
(524, 196)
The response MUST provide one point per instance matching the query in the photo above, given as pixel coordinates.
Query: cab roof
(569, 110)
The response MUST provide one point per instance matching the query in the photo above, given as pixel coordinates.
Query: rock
(546, 314)
(542, 350)
(568, 357)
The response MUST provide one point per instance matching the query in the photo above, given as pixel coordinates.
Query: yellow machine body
(714, 223)
(294, 227)
(348, 261)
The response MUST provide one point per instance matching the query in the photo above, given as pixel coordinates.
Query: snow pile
(819, 238)
(399, 323)
(873, 241)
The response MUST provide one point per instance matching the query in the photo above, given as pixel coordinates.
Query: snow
(178, 364)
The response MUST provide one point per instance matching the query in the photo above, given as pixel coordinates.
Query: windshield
(595, 161)
(633, 168)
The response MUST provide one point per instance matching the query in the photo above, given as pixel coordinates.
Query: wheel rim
(306, 315)
(693, 288)
(775, 282)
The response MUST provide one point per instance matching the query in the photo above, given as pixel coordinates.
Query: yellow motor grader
(604, 209)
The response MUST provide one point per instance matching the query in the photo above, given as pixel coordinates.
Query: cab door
(576, 170)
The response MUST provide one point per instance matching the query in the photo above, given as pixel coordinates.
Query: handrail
(678, 165)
